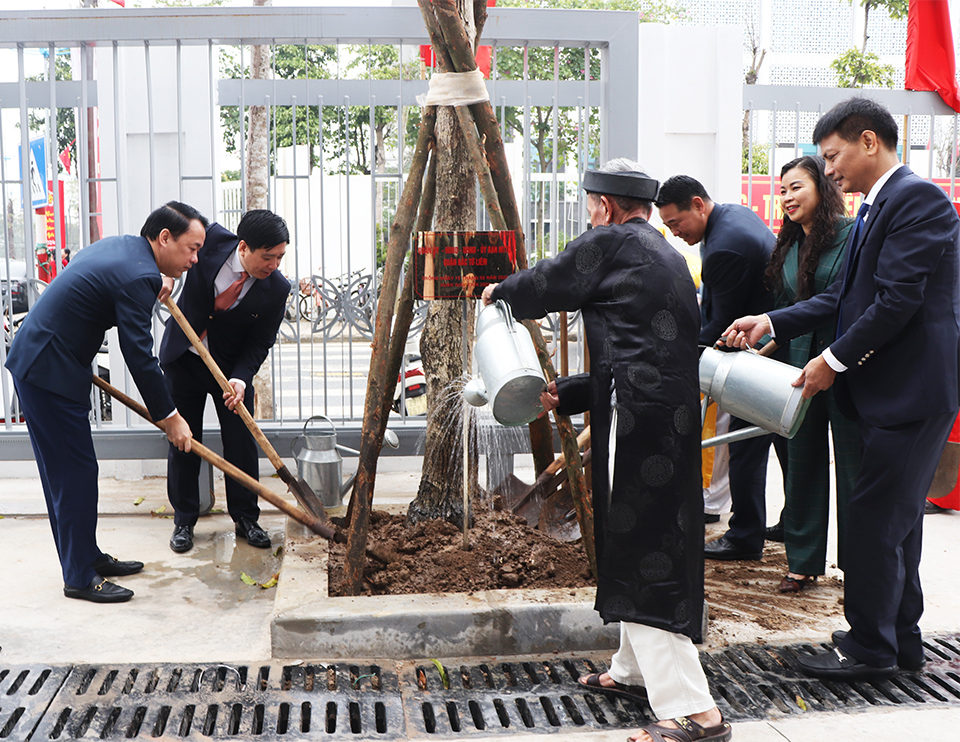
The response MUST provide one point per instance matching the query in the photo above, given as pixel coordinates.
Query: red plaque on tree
(459, 265)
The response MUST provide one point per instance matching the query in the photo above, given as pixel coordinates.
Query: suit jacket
(113, 282)
(899, 323)
(735, 251)
(239, 338)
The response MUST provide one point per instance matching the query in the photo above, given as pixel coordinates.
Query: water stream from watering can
(456, 418)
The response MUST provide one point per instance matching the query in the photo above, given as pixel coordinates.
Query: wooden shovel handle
(768, 349)
(582, 440)
(314, 524)
(224, 383)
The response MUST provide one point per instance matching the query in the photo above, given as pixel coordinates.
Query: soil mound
(503, 553)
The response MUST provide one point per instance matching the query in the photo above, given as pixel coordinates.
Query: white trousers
(716, 497)
(667, 664)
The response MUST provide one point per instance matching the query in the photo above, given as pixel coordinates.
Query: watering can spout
(475, 393)
(390, 438)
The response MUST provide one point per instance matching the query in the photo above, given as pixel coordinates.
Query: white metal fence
(780, 128)
(153, 105)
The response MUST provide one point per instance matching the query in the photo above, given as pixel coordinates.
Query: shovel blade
(307, 498)
(558, 518)
(512, 490)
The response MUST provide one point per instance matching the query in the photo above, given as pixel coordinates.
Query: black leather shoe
(774, 533)
(904, 663)
(253, 533)
(182, 539)
(835, 665)
(724, 548)
(108, 566)
(711, 517)
(930, 508)
(99, 591)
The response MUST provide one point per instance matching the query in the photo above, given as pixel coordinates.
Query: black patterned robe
(639, 308)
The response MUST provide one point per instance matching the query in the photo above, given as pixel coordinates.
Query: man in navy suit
(735, 248)
(234, 299)
(895, 363)
(113, 282)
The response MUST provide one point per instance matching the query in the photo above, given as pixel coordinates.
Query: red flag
(65, 156)
(930, 59)
(484, 53)
(120, 3)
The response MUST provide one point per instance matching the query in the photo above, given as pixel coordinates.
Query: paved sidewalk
(195, 607)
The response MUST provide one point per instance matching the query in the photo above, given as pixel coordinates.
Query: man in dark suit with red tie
(234, 299)
(895, 363)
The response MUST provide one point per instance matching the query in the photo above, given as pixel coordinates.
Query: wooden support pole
(374, 419)
(401, 325)
(541, 434)
(462, 57)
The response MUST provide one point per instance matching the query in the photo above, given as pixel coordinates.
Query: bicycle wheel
(360, 306)
(326, 312)
(159, 309)
(288, 328)
(420, 309)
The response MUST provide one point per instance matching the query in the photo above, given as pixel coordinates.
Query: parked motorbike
(411, 389)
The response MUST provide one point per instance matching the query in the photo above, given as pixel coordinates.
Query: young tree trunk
(441, 347)
(257, 175)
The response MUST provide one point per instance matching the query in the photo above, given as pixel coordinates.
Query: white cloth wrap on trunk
(455, 89)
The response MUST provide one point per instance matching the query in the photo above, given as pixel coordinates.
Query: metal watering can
(320, 464)
(754, 388)
(510, 377)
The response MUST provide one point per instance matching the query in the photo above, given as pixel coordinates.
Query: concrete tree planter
(307, 622)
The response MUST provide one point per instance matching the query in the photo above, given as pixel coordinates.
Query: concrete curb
(308, 623)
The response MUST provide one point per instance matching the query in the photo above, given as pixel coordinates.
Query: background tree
(66, 117)
(757, 55)
(569, 65)
(858, 68)
(256, 175)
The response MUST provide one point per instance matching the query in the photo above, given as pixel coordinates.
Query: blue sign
(38, 172)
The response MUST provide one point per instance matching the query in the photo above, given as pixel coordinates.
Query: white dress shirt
(229, 273)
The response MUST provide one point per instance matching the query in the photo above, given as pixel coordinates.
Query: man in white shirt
(234, 299)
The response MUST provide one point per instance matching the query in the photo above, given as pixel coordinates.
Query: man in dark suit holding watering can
(896, 304)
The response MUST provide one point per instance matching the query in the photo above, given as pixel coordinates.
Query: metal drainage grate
(749, 682)
(195, 702)
(515, 697)
(759, 682)
(293, 702)
(25, 694)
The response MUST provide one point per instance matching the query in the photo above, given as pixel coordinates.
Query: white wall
(690, 101)
(133, 126)
(330, 222)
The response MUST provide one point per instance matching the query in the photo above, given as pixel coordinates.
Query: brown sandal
(689, 731)
(796, 584)
(633, 692)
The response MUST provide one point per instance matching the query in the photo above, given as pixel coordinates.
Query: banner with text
(459, 265)
(758, 195)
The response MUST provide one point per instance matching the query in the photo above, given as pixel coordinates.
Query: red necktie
(230, 294)
(227, 297)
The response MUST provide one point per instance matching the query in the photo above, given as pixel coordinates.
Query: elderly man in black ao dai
(639, 308)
